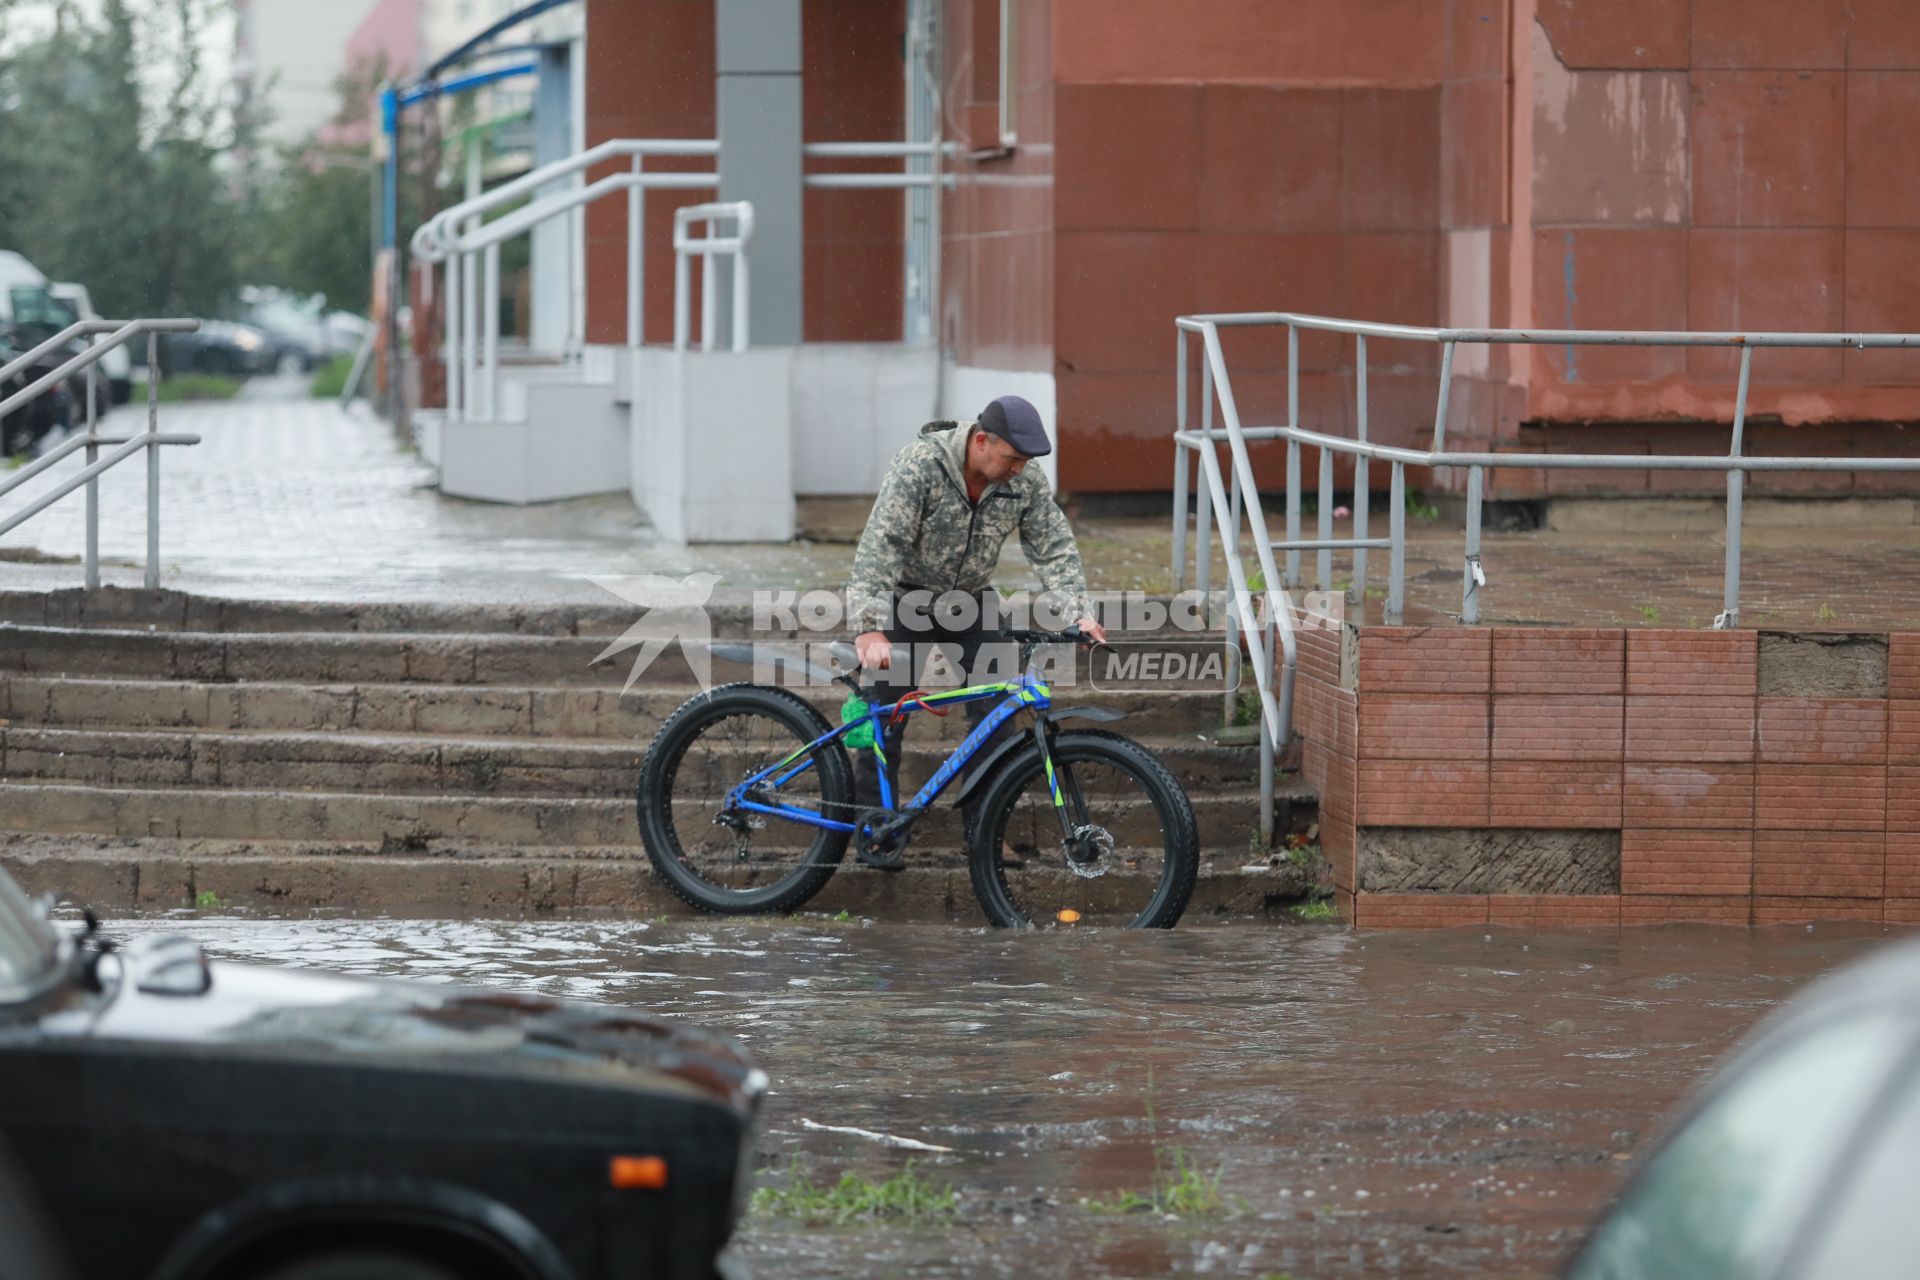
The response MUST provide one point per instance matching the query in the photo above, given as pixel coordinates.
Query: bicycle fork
(1068, 804)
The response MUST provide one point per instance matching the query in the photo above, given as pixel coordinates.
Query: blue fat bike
(747, 802)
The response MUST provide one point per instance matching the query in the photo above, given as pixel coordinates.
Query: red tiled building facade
(1670, 164)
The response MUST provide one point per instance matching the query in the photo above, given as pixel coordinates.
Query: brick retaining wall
(1537, 776)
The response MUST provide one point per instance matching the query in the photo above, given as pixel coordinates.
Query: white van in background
(24, 297)
(117, 365)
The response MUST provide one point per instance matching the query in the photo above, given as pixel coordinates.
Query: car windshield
(29, 946)
(34, 305)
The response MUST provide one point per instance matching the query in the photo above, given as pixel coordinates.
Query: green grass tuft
(905, 1197)
(330, 379)
(1179, 1187)
(198, 386)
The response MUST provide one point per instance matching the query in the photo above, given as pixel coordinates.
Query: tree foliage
(122, 167)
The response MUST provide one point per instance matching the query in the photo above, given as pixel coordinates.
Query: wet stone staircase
(159, 750)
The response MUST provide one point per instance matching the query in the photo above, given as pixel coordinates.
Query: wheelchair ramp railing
(1263, 609)
(123, 447)
(467, 248)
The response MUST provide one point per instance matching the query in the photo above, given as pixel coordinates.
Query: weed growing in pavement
(842, 916)
(1306, 855)
(1650, 613)
(1419, 508)
(208, 900)
(905, 1197)
(1180, 1186)
(1824, 613)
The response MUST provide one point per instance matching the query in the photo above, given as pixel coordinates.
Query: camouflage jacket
(923, 531)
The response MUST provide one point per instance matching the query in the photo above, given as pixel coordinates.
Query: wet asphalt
(1458, 1103)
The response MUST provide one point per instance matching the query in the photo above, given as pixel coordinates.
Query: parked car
(40, 417)
(187, 1120)
(116, 367)
(1800, 1160)
(30, 314)
(304, 333)
(219, 347)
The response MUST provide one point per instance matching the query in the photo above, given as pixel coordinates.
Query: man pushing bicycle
(922, 574)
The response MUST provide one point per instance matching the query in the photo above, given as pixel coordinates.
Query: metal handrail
(78, 329)
(1226, 504)
(708, 249)
(130, 445)
(88, 477)
(124, 331)
(473, 358)
(471, 259)
(529, 216)
(45, 461)
(431, 241)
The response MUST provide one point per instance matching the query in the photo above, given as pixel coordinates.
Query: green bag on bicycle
(855, 708)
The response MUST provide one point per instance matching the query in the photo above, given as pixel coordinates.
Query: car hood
(314, 1015)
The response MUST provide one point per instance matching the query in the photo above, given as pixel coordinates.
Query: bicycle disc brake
(1090, 852)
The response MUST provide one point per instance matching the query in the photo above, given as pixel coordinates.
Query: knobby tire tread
(654, 799)
(1184, 832)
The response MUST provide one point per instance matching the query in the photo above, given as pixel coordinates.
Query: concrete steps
(418, 821)
(526, 711)
(414, 763)
(425, 759)
(125, 875)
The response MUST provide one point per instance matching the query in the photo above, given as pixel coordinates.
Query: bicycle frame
(1026, 692)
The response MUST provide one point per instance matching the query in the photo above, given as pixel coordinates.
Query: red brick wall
(1731, 806)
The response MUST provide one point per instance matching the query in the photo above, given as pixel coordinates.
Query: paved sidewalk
(288, 497)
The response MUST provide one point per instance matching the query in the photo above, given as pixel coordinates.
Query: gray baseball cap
(1017, 422)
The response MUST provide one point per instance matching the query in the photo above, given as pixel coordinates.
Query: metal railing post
(1267, 746)
(636, 226)
(1440, 406)
(682, 275)
(452, 307)
(709, 284)
(490, 299)
(1323, 558)
(1362, 476)
(1470, 577)
(1203, 514)
(153, 461)
(740, 302)
(1293, 456)
(93, 485)
(470, 345)
(1180, 477)
(1736, 489)
(1397, 554)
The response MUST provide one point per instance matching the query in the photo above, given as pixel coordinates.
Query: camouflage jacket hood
(924, 533)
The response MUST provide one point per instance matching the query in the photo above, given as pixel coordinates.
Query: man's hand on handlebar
(1092, 630)
(874, 649)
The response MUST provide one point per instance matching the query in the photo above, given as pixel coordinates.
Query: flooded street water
(1393, 1104)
